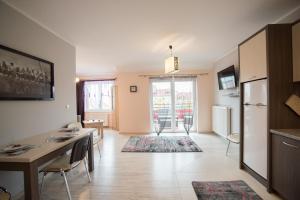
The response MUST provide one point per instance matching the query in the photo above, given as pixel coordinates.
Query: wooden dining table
(45, 149)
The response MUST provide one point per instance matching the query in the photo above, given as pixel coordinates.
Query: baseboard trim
(135, 133)
(258, 177)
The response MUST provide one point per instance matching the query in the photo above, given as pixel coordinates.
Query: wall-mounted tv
(227, 78)
(25, 77)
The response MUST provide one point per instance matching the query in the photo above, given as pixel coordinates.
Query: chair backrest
(74, 125)
(188, 119)
(80, 149)
(163, 118)
(4, 195)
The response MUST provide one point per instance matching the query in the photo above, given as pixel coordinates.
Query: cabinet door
(253, 58)
(296, 52)
(285, 167)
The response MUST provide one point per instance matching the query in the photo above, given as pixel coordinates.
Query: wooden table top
(44, 145)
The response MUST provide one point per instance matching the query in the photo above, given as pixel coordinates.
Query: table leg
(91, 153)
(31, 182)
(101, 130)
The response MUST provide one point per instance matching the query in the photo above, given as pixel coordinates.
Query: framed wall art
(133, 88)
(25, 77)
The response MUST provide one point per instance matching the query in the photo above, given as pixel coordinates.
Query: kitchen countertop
(290, 133)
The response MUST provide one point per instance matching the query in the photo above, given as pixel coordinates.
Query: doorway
(173, 102)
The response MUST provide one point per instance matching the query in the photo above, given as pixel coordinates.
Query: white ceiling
(133, 35)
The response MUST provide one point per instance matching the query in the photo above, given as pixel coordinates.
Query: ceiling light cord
(171, 50)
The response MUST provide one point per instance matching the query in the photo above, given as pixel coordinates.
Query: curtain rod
(172, 75)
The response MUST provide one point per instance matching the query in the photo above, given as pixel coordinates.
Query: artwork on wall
(25, 77)
(133, 88)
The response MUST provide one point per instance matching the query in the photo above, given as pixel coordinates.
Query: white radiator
(221, 120)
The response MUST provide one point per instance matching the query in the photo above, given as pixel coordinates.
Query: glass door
(162, 104)
(173, 104)
(184, 100)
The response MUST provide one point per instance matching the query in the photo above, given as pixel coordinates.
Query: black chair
(66, 163)
(188, 121)
(4, 194)
(162, 121)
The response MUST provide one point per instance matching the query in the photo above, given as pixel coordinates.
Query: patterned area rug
(224, 190)
(161, 144)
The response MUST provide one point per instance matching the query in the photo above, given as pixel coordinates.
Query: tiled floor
(140, 176)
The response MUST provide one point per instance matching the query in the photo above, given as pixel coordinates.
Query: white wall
(134, 111)
(134, 108)
(205, 101)
(221, 96)
(20, 119)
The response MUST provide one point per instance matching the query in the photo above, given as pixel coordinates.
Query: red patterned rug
(161, 144)
(224, 190)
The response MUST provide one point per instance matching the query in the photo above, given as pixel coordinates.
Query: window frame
(172, 81)
(100, 82)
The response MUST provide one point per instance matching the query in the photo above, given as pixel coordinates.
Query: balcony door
(173, 101)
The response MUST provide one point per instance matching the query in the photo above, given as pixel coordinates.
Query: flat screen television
(227, 78)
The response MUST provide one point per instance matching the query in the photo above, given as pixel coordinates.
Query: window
(173, 102)
(98, 96)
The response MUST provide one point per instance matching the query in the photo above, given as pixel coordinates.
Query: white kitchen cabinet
(253, 58)
(296, 52)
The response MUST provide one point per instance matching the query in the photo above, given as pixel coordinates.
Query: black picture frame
(24, 76)
(133, 88)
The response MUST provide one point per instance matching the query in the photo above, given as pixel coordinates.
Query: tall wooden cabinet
(296, 51)
(268, 55)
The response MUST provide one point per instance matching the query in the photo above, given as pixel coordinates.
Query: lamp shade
(171, 65)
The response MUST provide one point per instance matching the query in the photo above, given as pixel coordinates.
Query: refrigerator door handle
(260, 104)
(247, 104)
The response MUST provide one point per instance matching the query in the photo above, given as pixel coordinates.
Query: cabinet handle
(290, 145)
